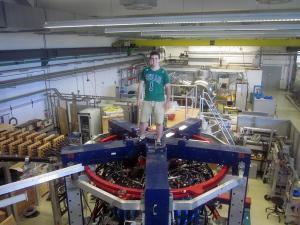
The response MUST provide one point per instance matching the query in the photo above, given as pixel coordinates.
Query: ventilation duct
(2, 15)
(138, 4)
(270, 2)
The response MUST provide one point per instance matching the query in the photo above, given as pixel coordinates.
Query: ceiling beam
(221, 42)
(238, 17)
(232, 27)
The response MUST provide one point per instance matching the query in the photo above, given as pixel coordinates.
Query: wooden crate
(41, 150)
(3, 138)
(32, 149)
(23, 135)
(13, 146)
(22, 148)
(6, 133)
(49, 138)
(14, 134)
(4, 145)
(40, 137)
(58, 141)
(31, 136)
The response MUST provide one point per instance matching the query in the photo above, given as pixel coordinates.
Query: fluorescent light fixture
(261, 16)
(254, 27)
(229, 34)
(182, 127)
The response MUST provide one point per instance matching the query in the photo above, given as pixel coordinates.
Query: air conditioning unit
(139, 4)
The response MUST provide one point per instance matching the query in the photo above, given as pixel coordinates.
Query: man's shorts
(151, 106)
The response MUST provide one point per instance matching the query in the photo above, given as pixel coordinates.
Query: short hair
(155, 53)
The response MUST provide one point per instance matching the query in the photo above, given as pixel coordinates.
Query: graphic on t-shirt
(151, 78)
(154, 84)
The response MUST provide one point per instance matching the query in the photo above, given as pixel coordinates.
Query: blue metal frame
(99, 153)
(156, 187)
(123, 128)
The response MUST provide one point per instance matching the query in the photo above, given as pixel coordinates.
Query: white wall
(100, 82)
(254, 77)
(27, 111)
(283, 61)
(13, 41)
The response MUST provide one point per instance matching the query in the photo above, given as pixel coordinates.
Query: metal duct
(2, 15)
(138, 4)
(23, 17)
(271, 2)
(26, 80)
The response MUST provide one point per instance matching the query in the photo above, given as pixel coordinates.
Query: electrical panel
(89, 123)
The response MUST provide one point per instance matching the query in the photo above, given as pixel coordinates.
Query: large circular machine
(170, 182)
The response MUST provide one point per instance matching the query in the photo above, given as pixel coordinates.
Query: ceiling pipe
(48, 76)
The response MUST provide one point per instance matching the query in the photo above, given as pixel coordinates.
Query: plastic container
(171, 116)
(296, 191)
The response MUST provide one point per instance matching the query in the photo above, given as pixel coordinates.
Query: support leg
(75, 211)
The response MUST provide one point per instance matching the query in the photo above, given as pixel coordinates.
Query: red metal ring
(136, 193)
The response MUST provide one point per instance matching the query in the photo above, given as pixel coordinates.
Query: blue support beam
(156, 187)
(123, 128)
(186, 128)
(98, 153)
(210, 153)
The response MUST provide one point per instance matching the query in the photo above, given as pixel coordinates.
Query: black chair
(277, 210)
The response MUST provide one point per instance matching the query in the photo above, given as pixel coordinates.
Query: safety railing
(206, 99)
(190, 97)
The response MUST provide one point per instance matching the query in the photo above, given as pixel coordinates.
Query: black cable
(15, 119)
(85, 201)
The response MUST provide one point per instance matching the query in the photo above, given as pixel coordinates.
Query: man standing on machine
(156, 82)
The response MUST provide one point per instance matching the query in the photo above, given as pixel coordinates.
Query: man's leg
(159, 114)
(143, 127)
(145, 115)
(159, 131)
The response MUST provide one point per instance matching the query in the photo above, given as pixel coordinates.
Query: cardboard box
(31, 199)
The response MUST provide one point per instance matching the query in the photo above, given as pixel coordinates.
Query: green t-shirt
(155, 82)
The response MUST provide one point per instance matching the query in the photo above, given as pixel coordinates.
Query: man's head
(154, 59)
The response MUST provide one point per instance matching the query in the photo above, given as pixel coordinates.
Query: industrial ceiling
(154, 19)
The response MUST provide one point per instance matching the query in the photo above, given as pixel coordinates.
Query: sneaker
(142, 139)
(158, 142)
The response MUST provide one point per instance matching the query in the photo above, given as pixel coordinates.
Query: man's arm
(168, 95)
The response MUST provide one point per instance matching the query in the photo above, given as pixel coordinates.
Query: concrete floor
(256, 188)
(285, 109)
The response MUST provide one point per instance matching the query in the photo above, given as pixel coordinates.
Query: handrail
(191, 94)
(216, 115)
